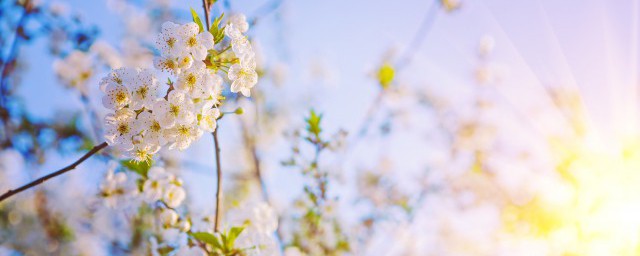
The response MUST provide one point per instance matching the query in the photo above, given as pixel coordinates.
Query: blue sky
(541, 42)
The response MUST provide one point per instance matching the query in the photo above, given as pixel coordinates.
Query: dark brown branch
(39, 181)
(216, 145)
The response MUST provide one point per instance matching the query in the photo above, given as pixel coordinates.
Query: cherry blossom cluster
(243, 74)
(143, 121)
(119, 189)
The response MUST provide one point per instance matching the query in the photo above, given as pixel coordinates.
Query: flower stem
(70, 167)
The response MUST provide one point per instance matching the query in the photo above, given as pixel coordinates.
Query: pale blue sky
(540, 42)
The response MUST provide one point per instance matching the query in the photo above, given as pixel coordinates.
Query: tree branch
(219, 186)
(206, 6)
(428, 20)
(39, 181)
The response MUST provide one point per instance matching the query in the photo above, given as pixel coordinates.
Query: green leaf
(313, 124)
(197, 20)
(216, 31)
(207, 238)
(216, 22)
(141, 168)
(233, 235)
(225, 242)
(385, 75)
(220, 35)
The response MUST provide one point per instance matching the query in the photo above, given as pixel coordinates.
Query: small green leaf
(216, 30)
(233, 235)
(197, 20)
(141, 168)
(313, 124)
(220, 35)
(207, 238)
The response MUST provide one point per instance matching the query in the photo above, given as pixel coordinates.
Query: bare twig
(428, 20)
(265, 10)
(219, 186)
(39, 181)
(216, 145)
(206, 5)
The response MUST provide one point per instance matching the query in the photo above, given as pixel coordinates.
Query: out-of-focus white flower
(89, 244)
(174, 196)
(486, 45)
(292, 251)
(260, 221)
(190, 251)
(248, 215)
(239, 22)
(169, 218)
(107, 54)
(153, 187)
(116, 188)
(58, 9)
(75, 70)
(12, 173)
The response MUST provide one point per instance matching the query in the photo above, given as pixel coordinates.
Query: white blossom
(194, 80)
(208, 117)
(244, 75)
(177, 109)
(143, 89)
(174, 195)
(153, 132)
(117, 96)
(169, 40)
(194, 42)
(239, 22)
(120, 128)
(182, 135)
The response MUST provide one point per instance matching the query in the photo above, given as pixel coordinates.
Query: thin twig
(206, 6)
(219, 186)
(428, 20)
(216, 145)
(402, 62)
(39, 181)
(265, 10)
